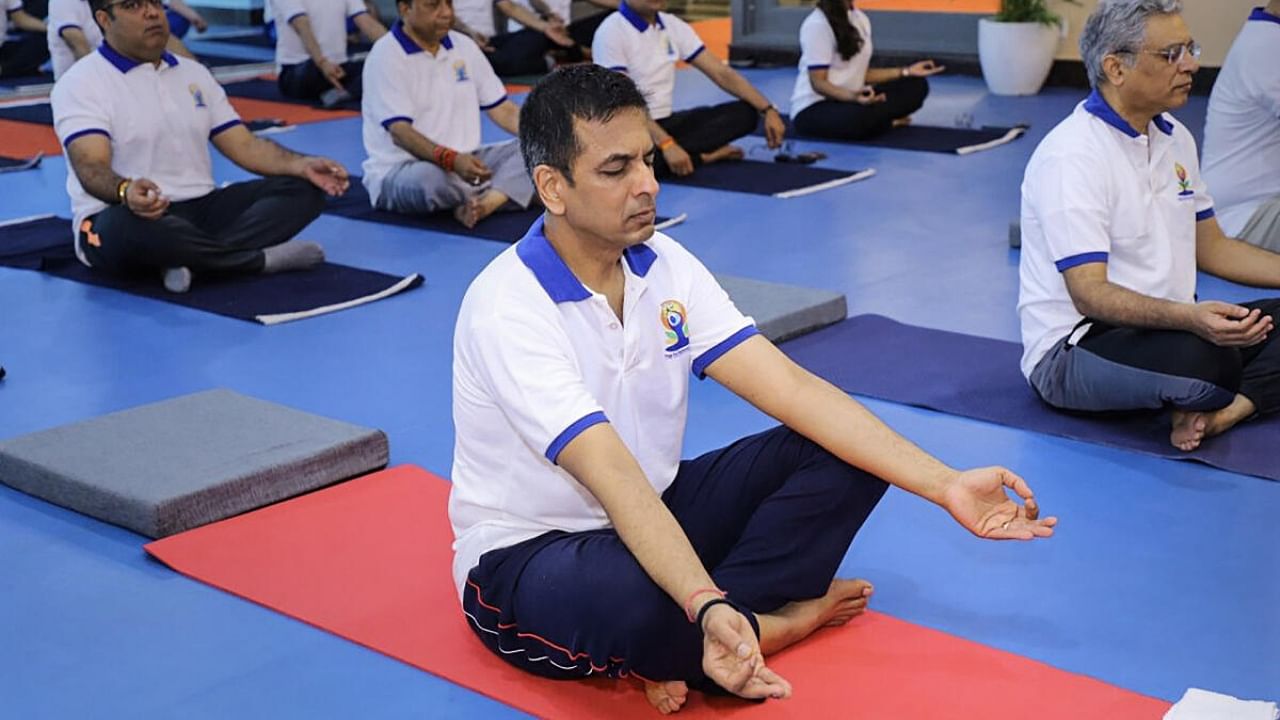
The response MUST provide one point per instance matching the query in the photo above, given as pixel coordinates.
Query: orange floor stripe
(24, 140)
(716, 34)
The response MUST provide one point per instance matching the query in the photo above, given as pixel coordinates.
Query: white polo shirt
(477, 15)
(1242, 129)
(9, 6)
(441, 95)
(63, 15)
(328, 23)
(538, 358)
(1096, 190)
(818, 51)
(159, 119)
(563, 8)
(648, 53)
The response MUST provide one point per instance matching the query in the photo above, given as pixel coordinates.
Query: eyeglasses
(1173, 54)
(134, 6)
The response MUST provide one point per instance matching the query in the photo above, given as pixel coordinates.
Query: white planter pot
(1016, 57)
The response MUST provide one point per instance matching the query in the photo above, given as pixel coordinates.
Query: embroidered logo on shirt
(197, 95)
(460, 71)
(674, 319)
(1183, 183)
(670, 50)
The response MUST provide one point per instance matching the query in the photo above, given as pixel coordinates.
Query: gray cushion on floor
(781, 311)
(170, 466)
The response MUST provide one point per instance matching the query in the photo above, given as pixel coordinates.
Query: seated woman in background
(836, 95)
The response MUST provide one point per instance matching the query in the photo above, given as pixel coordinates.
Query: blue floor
(1163, 575)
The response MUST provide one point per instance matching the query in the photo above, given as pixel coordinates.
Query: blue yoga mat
(505, 227)
(259, 89)
(767, 178)
(979, 378)
(928, 138)
(44, 244)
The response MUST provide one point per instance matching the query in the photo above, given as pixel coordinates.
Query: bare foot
(1189, 429)
(478, 208)
(902, 122)
(793, 622)
(727, 152)
(667, 697)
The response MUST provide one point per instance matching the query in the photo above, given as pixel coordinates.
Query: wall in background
(1214, 23)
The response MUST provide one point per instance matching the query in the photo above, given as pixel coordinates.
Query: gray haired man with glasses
(1116, 221)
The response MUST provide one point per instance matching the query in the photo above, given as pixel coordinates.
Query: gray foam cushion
(170, 466)
(782, 311)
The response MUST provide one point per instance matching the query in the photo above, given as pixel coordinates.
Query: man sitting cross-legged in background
(24, 53)
(1242, 133)
(584, 544)
(72, 33)
(311, 48)
(136, 122)
(560, 12)
(522, 51)
(1116, 219)
(646, 43)
(424, 89)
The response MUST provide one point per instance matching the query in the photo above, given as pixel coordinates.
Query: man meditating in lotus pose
(1116, 220)
(425, 86)
(584, 544)
(136, 122)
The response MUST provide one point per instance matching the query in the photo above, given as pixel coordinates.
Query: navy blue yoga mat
(39, 113)
(259, 89)
(979, 378)
(768, 178)
(44, 244)
(505, 227)
(929, 138)
(26, 80)
(8, 164)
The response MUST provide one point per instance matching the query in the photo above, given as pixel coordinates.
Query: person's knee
(743, 118)
(1211, 380)
(309, 198)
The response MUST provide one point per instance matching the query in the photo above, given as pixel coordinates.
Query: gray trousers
(1263, 229)
(420, 187)
(1102, 367)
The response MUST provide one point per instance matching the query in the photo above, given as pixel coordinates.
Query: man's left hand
(978, 501)
(774, 128)
(325, 174)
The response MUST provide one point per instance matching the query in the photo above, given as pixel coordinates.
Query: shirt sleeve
(817, 44)
(526, 365)
(63, 15)
(385, 100)
(356, 7)
(286, 10)
(607, 47)
(688, 44)
(1203, 200)
(489, 89)
(78, 110)
(222, 115)
(712, 323)
(1068, 197)
(13, 6)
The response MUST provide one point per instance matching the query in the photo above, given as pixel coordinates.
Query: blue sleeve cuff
(618, 68)
(494, 104)
(386, 124)
(224, 127)
(293, 17)
(819, 67)
(695, 54)
(68, 26)
(1205, 214)
(1067, 263)
(563, 439)
(704, 360)
(77, 135)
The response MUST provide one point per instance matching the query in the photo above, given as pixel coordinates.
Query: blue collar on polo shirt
(636, 21)
(1262, 14)
(410, 45)
(124, 64)
(1099, 106)
(538, 254)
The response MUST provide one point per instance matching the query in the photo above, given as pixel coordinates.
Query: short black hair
(96, 5)
(587, 92)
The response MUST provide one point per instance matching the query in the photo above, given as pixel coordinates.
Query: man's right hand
(731, 656)
(332, 72)
(677, 159)
(471, 169)
(144, 199)
(1227, 325)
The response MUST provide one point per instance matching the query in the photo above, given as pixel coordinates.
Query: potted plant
(1016, 47)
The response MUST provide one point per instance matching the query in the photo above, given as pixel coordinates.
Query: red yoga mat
(369, 560)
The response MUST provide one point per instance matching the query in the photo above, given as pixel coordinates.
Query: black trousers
(770, 516)
(519, 53)
(851, 121)
(705, 129)
(304, 81)
(1117, 368)
(23, 56)
(222, 232)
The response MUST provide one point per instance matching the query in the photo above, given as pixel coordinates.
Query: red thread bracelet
(688, 604)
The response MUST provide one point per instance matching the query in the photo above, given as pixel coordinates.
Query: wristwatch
(765, 110)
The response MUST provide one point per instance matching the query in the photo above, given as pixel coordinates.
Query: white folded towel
(1199, 704)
